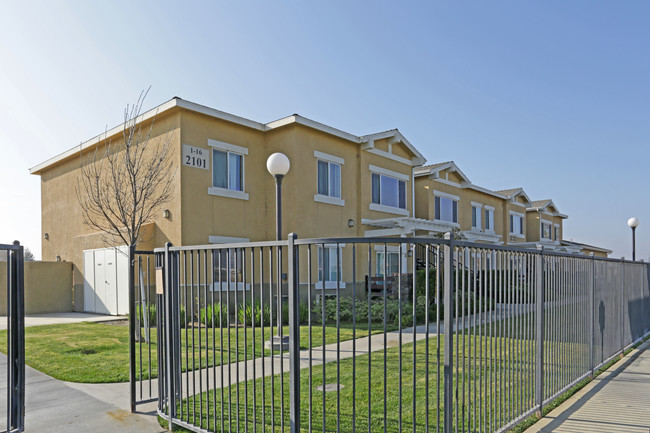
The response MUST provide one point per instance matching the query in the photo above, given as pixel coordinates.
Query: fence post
(539, 334)
(294, 335)
(132, 320)
(171, 394)
(592, 314)
(16, 338)
(449, 331)
(622, 297)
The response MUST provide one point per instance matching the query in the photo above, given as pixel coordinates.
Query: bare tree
(121, 186)
(28, 255)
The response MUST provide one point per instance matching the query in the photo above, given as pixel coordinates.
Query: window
(227, 170)
(329, 267)
(489, 220)
(388, 191)
(557, 233)
(228, 270)
(391, 264)
(546, 230)
(446, 209)
(476, 217)
(516, 224)
(329, 179)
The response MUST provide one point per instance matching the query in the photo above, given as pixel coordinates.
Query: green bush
(217, 312)
(150, 314)
(249, 313)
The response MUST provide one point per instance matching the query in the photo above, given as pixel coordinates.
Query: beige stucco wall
(48, 287)
(254, 218)
(425, 202)
(61, 217)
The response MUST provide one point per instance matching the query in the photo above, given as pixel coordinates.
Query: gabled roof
(514, 192)
(394, 136)
(367, 141)
(436, 168)
(543, 205)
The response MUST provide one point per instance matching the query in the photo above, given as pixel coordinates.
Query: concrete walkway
(54, 406)
(616, 401)
(57, 318)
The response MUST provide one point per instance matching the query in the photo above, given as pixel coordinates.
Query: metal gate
(15, 368)
(144, 327)
(329, 335)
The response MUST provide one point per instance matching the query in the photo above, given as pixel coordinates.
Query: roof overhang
(176, 102)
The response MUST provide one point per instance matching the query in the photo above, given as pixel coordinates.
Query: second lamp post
(278, 165)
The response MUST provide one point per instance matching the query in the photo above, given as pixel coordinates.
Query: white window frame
(556, 232)
(522, 218)
(320, 284)
(229, 148)
(391, 249)
(477, 214)
(329, 159)
(399, 177)
(489, 227)
(550, 229)
(228, 285)
(451, 197)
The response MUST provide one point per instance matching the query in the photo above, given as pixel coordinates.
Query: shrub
(150, 314)
(217, 312)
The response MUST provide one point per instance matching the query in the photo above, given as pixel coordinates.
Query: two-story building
(338, 185)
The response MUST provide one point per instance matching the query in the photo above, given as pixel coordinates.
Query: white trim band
(386, 172)
(329, 158)
(221, 145)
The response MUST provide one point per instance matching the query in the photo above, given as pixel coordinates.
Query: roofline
(198, 108)
(590, 247)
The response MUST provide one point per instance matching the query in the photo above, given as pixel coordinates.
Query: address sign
(196, 157)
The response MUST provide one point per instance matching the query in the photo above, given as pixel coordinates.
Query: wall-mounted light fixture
(350, 222)
(58, 258)
(46, 236)
(166, 213)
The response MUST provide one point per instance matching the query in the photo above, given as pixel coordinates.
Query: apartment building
(338, 185)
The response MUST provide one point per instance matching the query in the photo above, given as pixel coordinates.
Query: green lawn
(500, 370)
(99, 353)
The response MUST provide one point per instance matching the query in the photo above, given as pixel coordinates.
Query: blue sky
(550, 96)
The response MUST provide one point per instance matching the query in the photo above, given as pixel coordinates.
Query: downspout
(413, 194)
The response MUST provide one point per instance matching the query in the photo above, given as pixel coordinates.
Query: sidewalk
(616, 401)
(56, 318)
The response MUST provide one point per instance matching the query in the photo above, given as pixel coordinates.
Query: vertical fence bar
(132, 319)
(294, 336)
(171, 402)
(621, 303)
(539, 338)
(448, 330)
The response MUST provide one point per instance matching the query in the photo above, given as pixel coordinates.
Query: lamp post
(633, 223)
(278, 165)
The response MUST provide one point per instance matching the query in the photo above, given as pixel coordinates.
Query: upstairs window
(489, 220)
(476, 217)
(388, 191)
(329, 179)
(227, 170)
(446, 209)
(546, 230)
(516, 224)
(557, 233)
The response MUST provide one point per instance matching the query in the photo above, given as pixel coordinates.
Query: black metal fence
(383, 334)
(15, 367)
